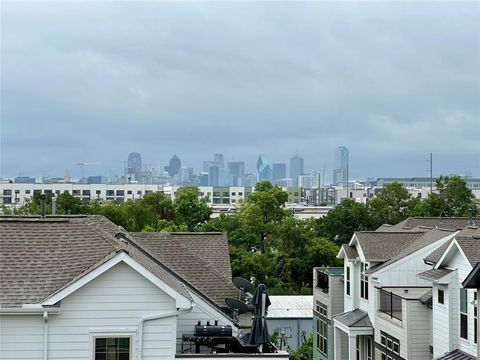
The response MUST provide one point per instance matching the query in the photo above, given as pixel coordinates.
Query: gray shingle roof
(382, 246)
(426, 238)
(457, 355)
(468, 239)
(355, 318)
(434, 274)
(452, 223)
(180, 253)
(40, 257)
(350, 251)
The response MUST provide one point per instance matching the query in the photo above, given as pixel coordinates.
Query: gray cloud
(92, 81)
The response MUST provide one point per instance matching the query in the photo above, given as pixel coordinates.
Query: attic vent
(121, 236)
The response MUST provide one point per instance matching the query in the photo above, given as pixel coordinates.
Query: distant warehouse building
(289, 317)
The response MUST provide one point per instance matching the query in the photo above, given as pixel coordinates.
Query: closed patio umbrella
(259, 332)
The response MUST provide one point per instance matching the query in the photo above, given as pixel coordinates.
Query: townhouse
(389, 301)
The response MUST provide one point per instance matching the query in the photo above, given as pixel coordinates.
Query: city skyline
(161, 79)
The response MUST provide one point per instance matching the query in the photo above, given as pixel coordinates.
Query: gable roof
(472, 281)
(382, 246)
(43, 256)
(452, 223)
(426, 238)
(468, 239)
(194, 258)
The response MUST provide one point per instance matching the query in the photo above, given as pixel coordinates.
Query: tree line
(265, 241)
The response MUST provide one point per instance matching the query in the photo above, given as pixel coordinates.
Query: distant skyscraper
(174, 166)
(134, 165)
(203, 179)
(279, 171)
(340, 172)
(236, 170)
(213, 175)
(296, 168)
(264, 171)
(218, 158)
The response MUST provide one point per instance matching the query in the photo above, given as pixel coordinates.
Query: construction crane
(83, 164)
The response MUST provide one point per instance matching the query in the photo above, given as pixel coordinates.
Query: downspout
(155, 317)
(45, 335)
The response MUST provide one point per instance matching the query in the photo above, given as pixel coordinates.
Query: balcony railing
(322, 281)
(391, 304)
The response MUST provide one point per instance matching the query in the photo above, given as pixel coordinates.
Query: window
(347, 281)
(389, 346)
(120, 192)
(369, 348)
(225, 194)
(76, 192)
(7, 192)
(364, 282)
(463, 314)
(27, 191)
(322, 335)
(216, 194)
(129, 192)
(233, 193)
(98, 192)
(441, 297)
(139, 192)
(112, 348)
(475, 317)
(321, 308)
(17, 191)
(85, 192)
(110, 192)
(240, 193)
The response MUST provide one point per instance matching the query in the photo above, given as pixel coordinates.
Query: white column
(352, 353)
(337, 343)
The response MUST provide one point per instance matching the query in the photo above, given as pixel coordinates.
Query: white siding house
(81, 288)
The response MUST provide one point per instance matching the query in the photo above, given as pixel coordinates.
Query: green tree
(263, 210)
(340, 223)
(305, 351)
(70, 205)
(452, 198)
(391, 206)
(189, 209)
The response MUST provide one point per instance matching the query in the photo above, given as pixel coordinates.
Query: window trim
(348, 281)
(113, 333)
(463, 314)
(443, 296)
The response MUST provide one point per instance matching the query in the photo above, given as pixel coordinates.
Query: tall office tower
(207, 164)
(340, 172)
(134, 165)
(218, 158)
(213, 175)
(279, 171)
(264, 171)
(203, 179)
(296, 168)
(184, 175)
(236, 170)
(174, 166)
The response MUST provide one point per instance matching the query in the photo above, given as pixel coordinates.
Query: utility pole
(430, 160)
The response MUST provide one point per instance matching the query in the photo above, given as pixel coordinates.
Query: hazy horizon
(93, 81)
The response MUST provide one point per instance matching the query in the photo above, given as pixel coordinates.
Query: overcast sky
(91, 81)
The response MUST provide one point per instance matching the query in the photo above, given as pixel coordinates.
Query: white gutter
(29, 311)
(155, 317)
(45, 335)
